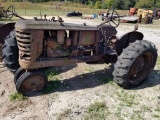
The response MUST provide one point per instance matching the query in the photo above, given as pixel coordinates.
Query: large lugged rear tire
(135, 63)
(10, 52)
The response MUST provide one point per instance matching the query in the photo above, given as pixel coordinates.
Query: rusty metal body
(42, 43)
(45, 43)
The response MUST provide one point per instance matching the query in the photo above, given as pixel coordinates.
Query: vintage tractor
(33, 45)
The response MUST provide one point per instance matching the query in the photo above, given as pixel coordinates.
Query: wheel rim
(32, 84)
(141, 68)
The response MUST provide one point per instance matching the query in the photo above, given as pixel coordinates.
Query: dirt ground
(86, 91)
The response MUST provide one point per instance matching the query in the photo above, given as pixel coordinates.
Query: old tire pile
(135, 63)
(10, 52)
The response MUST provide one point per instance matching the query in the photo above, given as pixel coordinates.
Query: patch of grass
(20, 5)
(146, 108)
(38, 12)
(118, 112)
(62, 10)
(89, 69)
(126, 99)
(106, 79)
(140, 114)
(158, 62)
(53, 82)
(156, 116)
(17, 97)
(157, 109)
(51, 74)
(137, 115)
(64, 114)
(51, 86)
(111, 82)
(97, 111)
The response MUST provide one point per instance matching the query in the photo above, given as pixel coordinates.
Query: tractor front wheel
(18, 73)
(31, 82)
(135, 63)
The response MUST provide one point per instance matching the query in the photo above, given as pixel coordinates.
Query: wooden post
(25, 11)
(40, 13)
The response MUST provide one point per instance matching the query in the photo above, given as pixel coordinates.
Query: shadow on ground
(83, 81)
(152, 80)
(94, 79)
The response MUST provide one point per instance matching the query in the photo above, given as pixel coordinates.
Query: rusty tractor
(31, 45)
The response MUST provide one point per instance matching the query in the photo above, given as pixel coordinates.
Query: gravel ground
(87, 91)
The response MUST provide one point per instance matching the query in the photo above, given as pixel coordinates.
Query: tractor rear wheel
(31, 82)
(10, 52)
(135, 63)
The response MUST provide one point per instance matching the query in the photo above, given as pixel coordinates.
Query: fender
(124, 40)
(5, 30)
(106, 31)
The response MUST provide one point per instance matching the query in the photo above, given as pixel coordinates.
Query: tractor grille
(24, 44)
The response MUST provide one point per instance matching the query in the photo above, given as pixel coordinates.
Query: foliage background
(103, 4)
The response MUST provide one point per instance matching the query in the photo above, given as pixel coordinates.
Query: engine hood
(50, 25)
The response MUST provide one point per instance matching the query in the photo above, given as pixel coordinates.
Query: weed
(97, 111)
(137, 115)
(126, 99)
(106, 79)
(157, 109)
(146, 108)
(17, 97)
(89, 69)
(53, 82)
(111, 82)
(51, 73)
(158, 62)
(118, 112)
(51, 86)
(156, 116)
(31, 9)
(64, 114)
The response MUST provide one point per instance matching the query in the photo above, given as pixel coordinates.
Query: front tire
(18, 73)
(31, 82)
(135, 63)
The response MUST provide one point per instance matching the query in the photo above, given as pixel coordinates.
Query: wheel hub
(33, 83)
(140, 68)
(137, 67)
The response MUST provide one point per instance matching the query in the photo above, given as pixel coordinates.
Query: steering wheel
(10, 11)
(3, 14)
(113, 18)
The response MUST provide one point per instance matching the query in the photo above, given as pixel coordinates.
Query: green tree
(147, 3)
(98, 5)
(110, 3)
(119, 4)
(157, 3)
